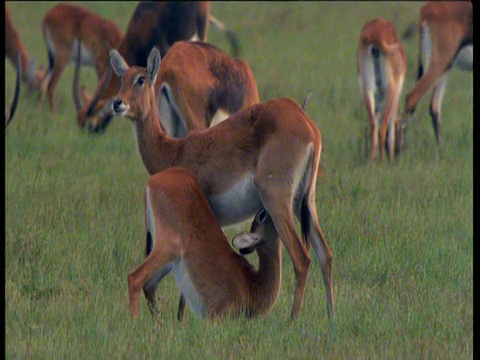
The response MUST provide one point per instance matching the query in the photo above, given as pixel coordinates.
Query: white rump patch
(367, 78)
(426, 46)
(375, 79)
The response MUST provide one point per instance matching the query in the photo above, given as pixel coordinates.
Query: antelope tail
(305, 102)
(231, 36)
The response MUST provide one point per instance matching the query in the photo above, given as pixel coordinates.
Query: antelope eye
(141, 80)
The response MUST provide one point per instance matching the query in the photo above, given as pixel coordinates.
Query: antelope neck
(156, 148)
(266, 286)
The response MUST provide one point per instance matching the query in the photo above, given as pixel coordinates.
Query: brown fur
(186, 229)
(378, 35)
(204, 79)
(160, 24)
(274, 143)
(451, 27)
(65, 24)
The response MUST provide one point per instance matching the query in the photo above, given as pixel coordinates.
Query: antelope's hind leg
(147, 276)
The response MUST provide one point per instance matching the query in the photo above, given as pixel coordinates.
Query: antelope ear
(246, 243)
(153, 64)
(118, 63)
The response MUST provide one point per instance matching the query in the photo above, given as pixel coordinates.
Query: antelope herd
(237, 163)
(159, 24)
(212, 148)
(446, 40)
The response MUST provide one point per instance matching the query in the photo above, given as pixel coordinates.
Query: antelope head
(137, 92)
(93, 112)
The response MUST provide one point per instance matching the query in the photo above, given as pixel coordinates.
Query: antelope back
(152, 24)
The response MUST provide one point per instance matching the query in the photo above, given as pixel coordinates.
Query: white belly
(238, 203)
(374, 79)
(464, 58)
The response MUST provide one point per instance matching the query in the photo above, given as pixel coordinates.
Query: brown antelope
(446, 40)
(14, 46)
(382, 67)
(64, 26)
(11, 111)
(199, 85)
(158, 24)
(185, 238)
(265, 156)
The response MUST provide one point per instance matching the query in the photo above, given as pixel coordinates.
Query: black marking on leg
(149, 247)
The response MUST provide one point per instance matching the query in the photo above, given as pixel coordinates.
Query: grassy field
(402, 235)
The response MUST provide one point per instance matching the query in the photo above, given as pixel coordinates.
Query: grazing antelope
(199, 85)
(152, 24)
(11, 111)
(446, 40)
(63, 27)
(14, 46)
(185, 238)
(265, 156)
(382, 67)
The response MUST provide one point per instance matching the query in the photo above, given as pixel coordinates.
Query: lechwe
(446, 40)
(63, 27)
(198, 85)
(265, 156)
(153, 23)
(185, 238)
(382, 67)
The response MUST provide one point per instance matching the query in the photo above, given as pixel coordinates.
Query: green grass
(401, 235)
